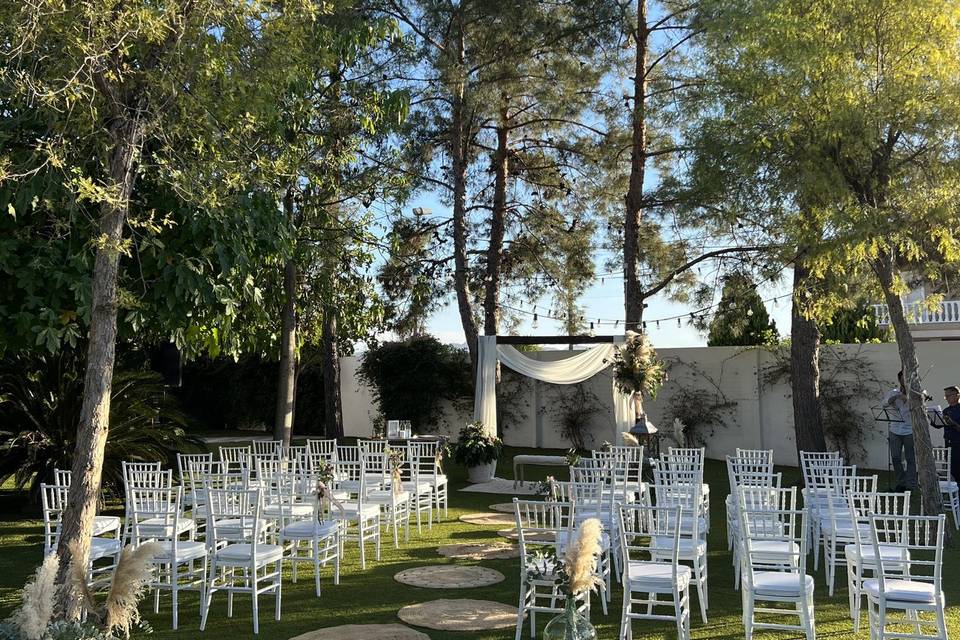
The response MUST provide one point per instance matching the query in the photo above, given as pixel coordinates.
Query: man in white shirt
(900, 437)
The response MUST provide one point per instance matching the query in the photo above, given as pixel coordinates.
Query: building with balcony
(940, 322)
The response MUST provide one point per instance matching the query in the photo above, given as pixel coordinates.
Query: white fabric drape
(573, 370)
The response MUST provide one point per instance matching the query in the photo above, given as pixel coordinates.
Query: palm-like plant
(40, 401)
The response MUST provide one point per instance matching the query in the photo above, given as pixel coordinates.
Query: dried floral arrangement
(36, 617)
(575, 572)
(636, 368)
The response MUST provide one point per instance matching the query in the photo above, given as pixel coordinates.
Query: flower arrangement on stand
(576, 577)
(35, 619)
(636, 367)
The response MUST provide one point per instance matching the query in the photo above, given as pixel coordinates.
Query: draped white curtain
(572, 370)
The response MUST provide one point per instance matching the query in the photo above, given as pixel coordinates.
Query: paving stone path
(364, 632)
(479, 551)
(460, 615)
(449, 576)
(488, 519)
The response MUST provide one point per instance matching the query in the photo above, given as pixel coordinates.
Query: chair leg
(255, 598)
(279, 593)
(520, 610)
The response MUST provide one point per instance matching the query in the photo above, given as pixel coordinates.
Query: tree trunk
(501, 168)
(286, 379)
(459, 155)
(926, 469)
(77, 518)
(632, 296)
(332, 407)
(805, 372)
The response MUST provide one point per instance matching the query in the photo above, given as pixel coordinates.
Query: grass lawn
(372, 596)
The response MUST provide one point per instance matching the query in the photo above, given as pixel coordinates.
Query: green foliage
(40, 401)
(574, 408)
(411, 379)
(854, 325)
(636, 367)
(474, 447)
(741, 318)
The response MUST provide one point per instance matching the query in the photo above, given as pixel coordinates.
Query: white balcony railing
(920, 313)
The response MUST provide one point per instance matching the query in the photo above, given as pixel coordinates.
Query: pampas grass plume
(629, 439)
(581, 557)
(129, 579)
(39, 596)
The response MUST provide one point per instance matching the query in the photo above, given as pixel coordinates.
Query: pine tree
(741, 319)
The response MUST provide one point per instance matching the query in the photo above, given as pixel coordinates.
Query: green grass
(372, 596)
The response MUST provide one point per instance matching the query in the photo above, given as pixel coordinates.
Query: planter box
(482, 473)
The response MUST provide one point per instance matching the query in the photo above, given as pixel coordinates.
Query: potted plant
(478, 452)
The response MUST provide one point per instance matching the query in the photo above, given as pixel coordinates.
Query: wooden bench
(521, 460)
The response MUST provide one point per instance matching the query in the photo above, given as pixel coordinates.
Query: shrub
(40, 401)
(474, 447)
(411, 379)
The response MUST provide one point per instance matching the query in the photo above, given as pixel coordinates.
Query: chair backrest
(541, 523)
(827, 479)
(234, 517)
(62, 477)
(267, 447)
(743, 465)
(941, 460)
(639, 524)
(145, 475)
(921, 540)
(810, 459)
(757, 454)
(695, 453)
(153, 513)
(236, 459)
(373, 453)
(774, 540)
(323, 447)
(54, 500)
(184, 460)
(197, 473)
(592, 471)
(625, 461)
(862, 506)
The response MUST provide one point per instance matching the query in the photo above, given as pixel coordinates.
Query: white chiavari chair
(240, 560)
(183, 461)
(679, 486)
(823, 488)
(836, 528)
(653, 578)
(861, 562)
(154, 518)
(774, 553)
(393, 499)
(539, 527)
(949, 490)
(54, 499)
(267, 447)
(102, 525)
(691, 459)
(356, 511)
(417, 457)
(315, 539)
(916, 592)
(430, 466)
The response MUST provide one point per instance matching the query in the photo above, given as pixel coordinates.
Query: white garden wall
(759, 412)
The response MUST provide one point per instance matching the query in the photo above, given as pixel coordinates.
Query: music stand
(888, 415)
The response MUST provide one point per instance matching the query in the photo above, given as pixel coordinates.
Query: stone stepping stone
(460, 615)
(451, 576)
(503, 507)
(479, 551)
(364, 632)
(543, 536)
(489, 519)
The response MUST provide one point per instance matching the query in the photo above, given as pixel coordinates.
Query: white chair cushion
(418, 488)
(438, 480)
(103, 547)
(889, 553)
(290, 510)
(656, 576)
(386, 497)
(902, 590)
(687, 546)
(158, 527)
(779, 583)
(370, 511)
(240, 553)
(187, 550)
(775, 548)
(105, 524)
(948, 486)
(308, 529)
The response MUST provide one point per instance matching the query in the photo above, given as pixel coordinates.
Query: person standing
(900, 437)
(951, 432)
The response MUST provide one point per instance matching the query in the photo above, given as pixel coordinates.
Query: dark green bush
(412, 379)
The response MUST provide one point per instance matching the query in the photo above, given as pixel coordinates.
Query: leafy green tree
(856, 324)
(870, 145)
(111, 92)
(741, 319)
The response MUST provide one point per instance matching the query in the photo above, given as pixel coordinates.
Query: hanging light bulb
(658, 324)
(644, 325)
(749, 312)
(678, 322)
(591, 328)
(534, 324)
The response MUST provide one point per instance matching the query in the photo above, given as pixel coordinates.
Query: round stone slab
(364, 632)
(511, 534)
(489, 519)
(460, 615)
(479, 551)
(450, 576)
(502, 507)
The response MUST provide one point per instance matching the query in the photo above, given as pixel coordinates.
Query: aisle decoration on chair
(576, 575)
